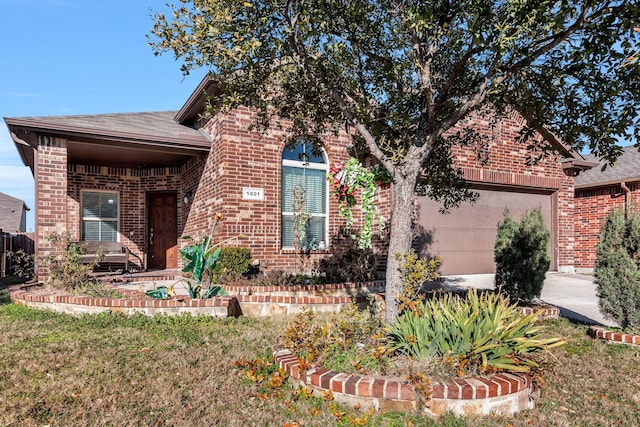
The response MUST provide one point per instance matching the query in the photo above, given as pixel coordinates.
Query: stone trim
(603, 333)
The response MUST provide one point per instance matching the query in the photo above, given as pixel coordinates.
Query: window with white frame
(304, 184)
(100, 215)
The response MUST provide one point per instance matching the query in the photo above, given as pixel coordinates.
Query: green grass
(111, 370)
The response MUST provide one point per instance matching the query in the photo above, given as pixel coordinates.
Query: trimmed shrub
(233, 263)
(616, 271)
(521, 253)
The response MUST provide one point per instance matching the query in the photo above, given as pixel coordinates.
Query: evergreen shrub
(616, 271)
(233, 263)
(521, 253)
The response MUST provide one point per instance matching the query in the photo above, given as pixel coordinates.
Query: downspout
(627, 197)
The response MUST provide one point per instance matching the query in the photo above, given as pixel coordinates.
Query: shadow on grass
(5, 283)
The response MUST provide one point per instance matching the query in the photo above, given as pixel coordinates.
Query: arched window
(304, 195)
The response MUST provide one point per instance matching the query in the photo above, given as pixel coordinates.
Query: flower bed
(500, 394)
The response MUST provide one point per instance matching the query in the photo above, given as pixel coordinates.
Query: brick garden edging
(223, 306)
(265, 301)
(548, 312)
(603, 333)
(500, 394)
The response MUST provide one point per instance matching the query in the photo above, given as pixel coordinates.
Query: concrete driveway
(574, 294)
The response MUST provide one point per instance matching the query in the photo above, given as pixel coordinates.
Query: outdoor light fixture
(187, 197)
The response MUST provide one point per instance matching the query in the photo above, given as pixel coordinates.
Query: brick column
(51, 196)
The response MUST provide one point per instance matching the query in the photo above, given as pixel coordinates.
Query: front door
(163, 230)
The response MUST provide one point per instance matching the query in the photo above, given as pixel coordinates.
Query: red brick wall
(51, 187)
(239, 158)
(504, 162)
(592, 206)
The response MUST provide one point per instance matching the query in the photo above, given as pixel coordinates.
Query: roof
(626, 168)
(153, 132)
(11, 210)
(157, 126)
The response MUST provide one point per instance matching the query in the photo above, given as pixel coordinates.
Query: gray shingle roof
(160, 126)
(626, 168)
(11, 213)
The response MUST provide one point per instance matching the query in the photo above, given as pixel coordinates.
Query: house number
(252, 193)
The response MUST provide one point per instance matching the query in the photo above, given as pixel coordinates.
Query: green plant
(347, 262)
(521, 253)
(346, 179)
(414, 272)
(616, 272)
(479, 333)
(200, 259)
(65, 269)
(232, 263)
(21, 263)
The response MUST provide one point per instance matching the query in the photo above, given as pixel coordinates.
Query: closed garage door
(465, 237)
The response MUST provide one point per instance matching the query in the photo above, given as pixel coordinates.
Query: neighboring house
(145, 179)
(13, 220)
(599, 191)
(13, 214)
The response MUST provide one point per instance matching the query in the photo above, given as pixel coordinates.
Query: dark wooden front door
(163, 230)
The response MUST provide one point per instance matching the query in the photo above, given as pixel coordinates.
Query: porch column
(51, 197)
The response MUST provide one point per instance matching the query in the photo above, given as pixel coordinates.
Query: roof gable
(11, 210)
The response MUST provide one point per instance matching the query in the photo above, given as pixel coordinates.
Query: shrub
(346, 342)
(616, 271)
(233, 263)
(21, 263)
(521, 253)
(66, 271)
(481, 333)
(348, 263)
(414, 272)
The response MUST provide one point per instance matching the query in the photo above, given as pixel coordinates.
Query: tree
(403, 74)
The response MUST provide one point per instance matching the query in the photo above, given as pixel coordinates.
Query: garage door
(465, 237)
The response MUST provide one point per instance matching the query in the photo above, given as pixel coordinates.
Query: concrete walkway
(573, 294)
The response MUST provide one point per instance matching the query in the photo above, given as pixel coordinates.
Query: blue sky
(66, 57)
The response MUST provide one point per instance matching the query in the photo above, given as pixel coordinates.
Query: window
(304, 182)
(100, 216)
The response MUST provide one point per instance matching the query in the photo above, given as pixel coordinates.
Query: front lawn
(111, 370)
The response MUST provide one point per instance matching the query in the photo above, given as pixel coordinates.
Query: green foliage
(407, 78)
(617, 275)
(481, 333)
(414, 272)
(21, 263)
(347, 262)
(65, 269)
(348, 341)
(522, 257)
(232, 263)
(200, 259)
(348, 178)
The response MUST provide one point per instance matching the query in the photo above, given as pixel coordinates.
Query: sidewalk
(573, 294)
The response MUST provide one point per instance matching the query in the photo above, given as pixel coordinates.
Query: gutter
(627, 197)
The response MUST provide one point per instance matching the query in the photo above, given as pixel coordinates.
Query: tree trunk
(401, 234)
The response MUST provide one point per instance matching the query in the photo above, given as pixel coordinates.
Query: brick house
(597, 192)
(145, 179)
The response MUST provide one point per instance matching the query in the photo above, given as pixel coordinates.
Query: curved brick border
(223, 306)
(548, 312)
(501, 394)
(615, 337)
